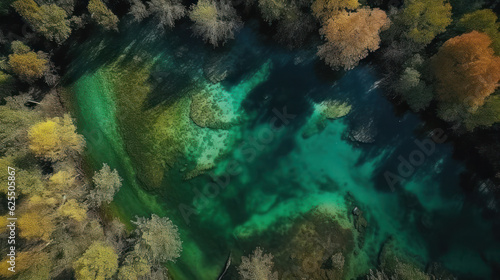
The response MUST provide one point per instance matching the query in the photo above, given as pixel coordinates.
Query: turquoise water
(279, 174)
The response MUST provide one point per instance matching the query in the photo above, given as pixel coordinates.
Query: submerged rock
(324, 111)
(363, 132)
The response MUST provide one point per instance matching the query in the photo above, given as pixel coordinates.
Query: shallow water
(280, 175)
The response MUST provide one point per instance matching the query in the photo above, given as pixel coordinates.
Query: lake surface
(257, 172)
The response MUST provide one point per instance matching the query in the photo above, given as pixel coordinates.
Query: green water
(141, 125)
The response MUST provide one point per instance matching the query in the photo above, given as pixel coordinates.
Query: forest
(438, 60)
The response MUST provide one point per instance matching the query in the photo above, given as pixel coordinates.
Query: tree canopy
(272, 9)
(158, 239)
(483, 21)
(34, 224)
(166, 12)
(424, 19)
(103, 15)
(486, 115)
(466, 70)
(55, 139)
(351, 36)
(15, 117)
(99, 262)
(30, 265)
(74, 210)
(329, 9)
(134, 268)
(7, 83)
(106, 183)
(27, 64)
(51, 21)
(216, 22)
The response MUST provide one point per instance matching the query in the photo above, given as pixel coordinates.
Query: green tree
(19, 47)
(329, 9)
(484, 116)
(158, 239)
(103, 15)
(414, 90)
(55, 139)
(15, 117)
(483, 21)
(99, 262)
(50, 21)
(106, 185)
(30, 182)
(6, 85)
(214, 21)
(424, 19)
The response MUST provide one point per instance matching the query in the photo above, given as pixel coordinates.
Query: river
(131, 95)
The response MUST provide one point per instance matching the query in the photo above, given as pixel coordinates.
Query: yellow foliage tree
(30, 265)
(3, 224)
(99, 262)
(134, 267)
(61, 181)
(28, 66)
(26, 8)
(73, 210)
(327, 9)
(55, 139)
(351, 36)
(35, 225)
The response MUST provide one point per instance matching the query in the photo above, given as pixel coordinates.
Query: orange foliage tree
(351, 36)
(466, 70)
